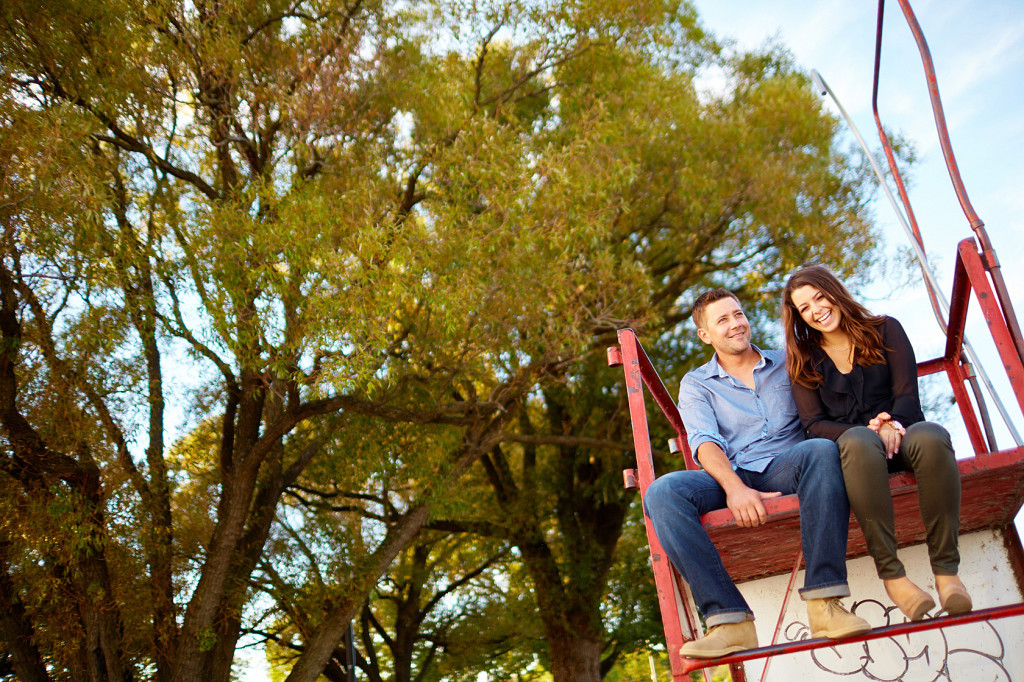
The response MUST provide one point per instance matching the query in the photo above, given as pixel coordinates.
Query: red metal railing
(987, 251)
(679, 616)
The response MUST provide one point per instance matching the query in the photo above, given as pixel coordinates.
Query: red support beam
(978, 616)
(1005, 344)
(957, 372)
(629, 356)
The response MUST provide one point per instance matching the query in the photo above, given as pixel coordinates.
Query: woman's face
(815, 309)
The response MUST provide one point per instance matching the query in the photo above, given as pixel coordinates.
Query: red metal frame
(679, 617)
(672, 593)
(988, 254)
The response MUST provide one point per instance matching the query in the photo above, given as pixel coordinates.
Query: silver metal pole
(926, 267)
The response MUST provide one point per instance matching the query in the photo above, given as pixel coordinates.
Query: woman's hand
(891, 438)
(891, 432)
(876, 422)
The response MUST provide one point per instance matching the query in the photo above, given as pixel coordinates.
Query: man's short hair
(706, 299)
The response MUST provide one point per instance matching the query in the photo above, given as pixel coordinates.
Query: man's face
(725, 327)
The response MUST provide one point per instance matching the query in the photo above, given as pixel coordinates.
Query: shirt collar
(716, 369)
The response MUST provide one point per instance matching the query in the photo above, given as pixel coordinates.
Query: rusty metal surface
(1001, 334)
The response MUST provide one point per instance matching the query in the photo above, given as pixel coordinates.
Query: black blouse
(843, 401)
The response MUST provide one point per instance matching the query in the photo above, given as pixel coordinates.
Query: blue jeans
(676, 501)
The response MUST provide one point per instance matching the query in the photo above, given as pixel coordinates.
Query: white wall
(989, 652)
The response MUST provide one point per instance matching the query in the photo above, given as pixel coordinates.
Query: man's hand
(743, 501)
(746, 505)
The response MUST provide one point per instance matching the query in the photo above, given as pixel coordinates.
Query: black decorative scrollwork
(924, 656)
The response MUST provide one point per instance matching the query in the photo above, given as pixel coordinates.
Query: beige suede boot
(722, 639)
(914, 602)
(953, 595)
(829, 618)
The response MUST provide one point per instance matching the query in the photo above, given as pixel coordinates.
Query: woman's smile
(815, 309)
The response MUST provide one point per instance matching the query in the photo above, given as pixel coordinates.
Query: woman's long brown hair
(863, 328)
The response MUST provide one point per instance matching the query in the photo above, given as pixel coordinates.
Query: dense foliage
(303, 306)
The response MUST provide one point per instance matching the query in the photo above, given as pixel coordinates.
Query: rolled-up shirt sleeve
(699, 417)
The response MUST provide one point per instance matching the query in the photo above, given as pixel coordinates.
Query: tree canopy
(295, 291)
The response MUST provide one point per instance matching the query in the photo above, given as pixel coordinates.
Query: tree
(442, 613)
(364, 246)
(289, 217)
(732, 190)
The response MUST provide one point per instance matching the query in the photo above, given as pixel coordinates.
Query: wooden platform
(992, 493)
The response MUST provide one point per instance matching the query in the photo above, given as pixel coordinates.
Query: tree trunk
(99, 609)
(197, 633)
(572, 622)
(15, 632)
(229, 622)
(328, 635)
(575, 655)
(165, 628)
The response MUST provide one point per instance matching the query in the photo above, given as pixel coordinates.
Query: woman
(854, 380)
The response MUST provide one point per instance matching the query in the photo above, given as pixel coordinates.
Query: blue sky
(978, 52)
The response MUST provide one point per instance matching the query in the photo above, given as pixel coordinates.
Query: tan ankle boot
(829, 618)
(953, 596)
(722, 639)
(914, 602)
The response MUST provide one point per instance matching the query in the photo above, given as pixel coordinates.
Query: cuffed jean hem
(825, 591)
(724, 617)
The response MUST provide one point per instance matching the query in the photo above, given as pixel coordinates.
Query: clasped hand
(891, 436)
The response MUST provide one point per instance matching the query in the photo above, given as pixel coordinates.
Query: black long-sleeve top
(843, 401)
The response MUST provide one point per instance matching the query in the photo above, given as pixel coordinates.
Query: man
(744, 431)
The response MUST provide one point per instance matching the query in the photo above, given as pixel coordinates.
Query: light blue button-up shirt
(752, 426)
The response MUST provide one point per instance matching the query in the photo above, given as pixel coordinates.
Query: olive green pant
(927, 451)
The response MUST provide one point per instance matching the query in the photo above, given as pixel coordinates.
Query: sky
(978, 52)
